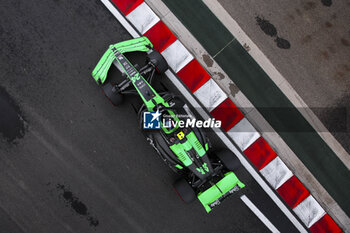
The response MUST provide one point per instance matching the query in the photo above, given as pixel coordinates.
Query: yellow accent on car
(180, 135)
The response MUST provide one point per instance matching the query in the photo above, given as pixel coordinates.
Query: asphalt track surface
(69, 160)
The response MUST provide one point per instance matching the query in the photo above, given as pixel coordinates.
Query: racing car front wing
(214, 195)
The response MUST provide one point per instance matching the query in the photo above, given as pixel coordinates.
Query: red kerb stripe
(228, 114)
(126, 6)
(325, 225)
(160, 36)
(293, 192)
(193, 75)
(260, 153)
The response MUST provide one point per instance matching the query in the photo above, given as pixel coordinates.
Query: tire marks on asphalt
(77, 206)
(270, 30)
(267, 27)
(282, 43)
(327, 2)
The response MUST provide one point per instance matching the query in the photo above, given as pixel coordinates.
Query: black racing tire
(184, 190)
(158, 61)
(112, 94)
(228, 159)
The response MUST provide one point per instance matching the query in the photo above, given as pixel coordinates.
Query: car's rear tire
(112, 94)
(228, 159)
(158, 61)
(184, 190)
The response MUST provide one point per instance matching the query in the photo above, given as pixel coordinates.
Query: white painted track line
(259, 214)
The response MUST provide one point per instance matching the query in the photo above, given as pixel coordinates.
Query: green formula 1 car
(205, 175)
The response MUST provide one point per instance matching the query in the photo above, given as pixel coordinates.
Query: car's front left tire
(112, 93)
(184, 190)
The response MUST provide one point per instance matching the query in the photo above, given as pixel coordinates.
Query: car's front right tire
(228, 159)
(158, 61)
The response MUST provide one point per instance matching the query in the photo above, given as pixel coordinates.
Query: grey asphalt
(69, 160)
(317, 62)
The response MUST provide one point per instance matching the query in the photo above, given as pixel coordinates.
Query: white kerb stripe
(259, 214)
(243, 134)
(276, 173)
(309, 211)
(143, 18)
(177, 56)
(210, 94)
(120, 18)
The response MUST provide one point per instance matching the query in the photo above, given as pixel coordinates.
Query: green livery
(215, 194)
(205, 174)
(141, 44)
